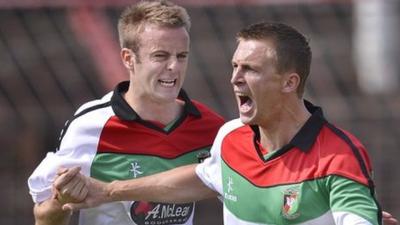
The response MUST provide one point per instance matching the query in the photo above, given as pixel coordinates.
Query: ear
(128, 58)
(291, 82)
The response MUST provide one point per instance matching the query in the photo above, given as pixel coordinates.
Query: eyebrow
(164, 51)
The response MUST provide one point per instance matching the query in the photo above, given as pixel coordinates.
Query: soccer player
(282, 162)
(146, 125)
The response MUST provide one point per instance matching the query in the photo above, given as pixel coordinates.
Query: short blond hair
(158, 12)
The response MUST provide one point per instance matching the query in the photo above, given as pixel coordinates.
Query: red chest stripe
(130, 137)
(329, 155)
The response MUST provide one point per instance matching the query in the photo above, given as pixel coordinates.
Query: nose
(237, 77)
(173, 64)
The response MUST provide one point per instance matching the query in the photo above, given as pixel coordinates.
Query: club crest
(291, 200)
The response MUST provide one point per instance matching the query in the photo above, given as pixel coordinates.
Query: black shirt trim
(124, 111)
(304, 139)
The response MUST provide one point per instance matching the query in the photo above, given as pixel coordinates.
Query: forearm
(179, 185)
(49, 212)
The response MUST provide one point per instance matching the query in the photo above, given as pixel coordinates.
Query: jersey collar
(306, 136)
(122, 109)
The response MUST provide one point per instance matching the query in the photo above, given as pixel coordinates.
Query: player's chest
(286, 203)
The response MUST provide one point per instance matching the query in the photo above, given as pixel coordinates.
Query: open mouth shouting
(167, 83)
(245, 102)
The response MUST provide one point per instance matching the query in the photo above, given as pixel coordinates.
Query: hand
(96, 195)
(388, 219)
(69, 186)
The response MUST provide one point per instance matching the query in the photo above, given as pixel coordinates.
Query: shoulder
(230, 127)
(339, 140)
(87, 120)
(94, 104)
(232, 124)
(92, 113)
(345, 154)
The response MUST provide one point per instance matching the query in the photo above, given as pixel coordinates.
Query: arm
(178, 185)
(351, 202)
(65, 189)
(48, 208)
(49, 212)
(388, 219)
(77, 147)
(69, 185)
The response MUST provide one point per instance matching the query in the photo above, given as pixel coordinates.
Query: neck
(279, 131)
(148, 109)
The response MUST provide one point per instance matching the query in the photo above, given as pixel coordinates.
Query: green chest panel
(109, 166)
(282, 204)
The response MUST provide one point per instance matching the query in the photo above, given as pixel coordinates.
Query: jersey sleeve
(351, 202)
(78, 147)
(40, 182)
(209, 171)
(73, 151)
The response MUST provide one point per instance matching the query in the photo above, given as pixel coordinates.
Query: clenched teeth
(167, 83)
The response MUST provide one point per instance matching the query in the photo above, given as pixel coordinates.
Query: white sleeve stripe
(348, 218)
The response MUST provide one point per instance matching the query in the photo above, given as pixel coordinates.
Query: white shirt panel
(347, 218)
(78, 148)
(209, 171)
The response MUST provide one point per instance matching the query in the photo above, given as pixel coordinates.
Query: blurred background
(57, 54)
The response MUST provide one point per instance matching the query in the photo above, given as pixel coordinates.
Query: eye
(248, 68)
(182, 56)
(160, 56)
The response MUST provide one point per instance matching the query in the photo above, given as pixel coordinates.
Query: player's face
(160, 66)
(256, 83)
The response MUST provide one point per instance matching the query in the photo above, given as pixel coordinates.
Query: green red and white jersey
(109, 141)
(322, 177)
